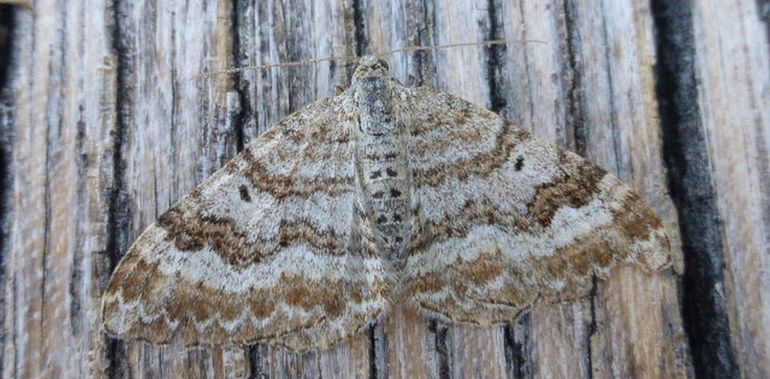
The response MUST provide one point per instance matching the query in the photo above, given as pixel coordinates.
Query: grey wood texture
(103, 128)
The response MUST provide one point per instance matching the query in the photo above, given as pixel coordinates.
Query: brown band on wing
(191, 234)
(481, 165)
(575, 189)
(464, 303)
(281, 187)
(634, 219)
(573, 265)
(192, 303)
(134, 275)
(472, 215)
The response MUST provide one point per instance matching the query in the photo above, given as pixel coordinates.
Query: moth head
(370, 66)
(372, 92)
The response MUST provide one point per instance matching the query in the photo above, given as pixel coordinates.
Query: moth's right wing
(266, 249)
(506, 218)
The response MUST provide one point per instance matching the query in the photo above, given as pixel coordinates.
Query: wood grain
(732, 69)
(106, 129)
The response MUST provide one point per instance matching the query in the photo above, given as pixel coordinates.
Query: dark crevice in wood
(498, 101)
(763, 8)
(518, 347)
(439, 332)
(255, 369)
(119, 211)
(7, 48)
(575, 120)
(509, 341)
(173, 127)
(76, 284)
(381, 347)
(117, 358)
(425, 60)
(372, 351)
(359, 22)
(593, 326)
(76, 273)
(6, 41)
(686, 153)
(418, 33)
(240, 8)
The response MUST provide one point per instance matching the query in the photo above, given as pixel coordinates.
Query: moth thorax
(374, 101)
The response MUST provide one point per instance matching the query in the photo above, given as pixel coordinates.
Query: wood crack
(118, 212)
(685, 149)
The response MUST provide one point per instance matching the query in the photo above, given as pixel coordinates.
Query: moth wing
(265, 249)
(506, 218)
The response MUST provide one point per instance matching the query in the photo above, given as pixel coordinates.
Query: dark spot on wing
(519, 163)
(382, 219)
(244, 193)
(391, 172)
(394, 192)
(378, 195)
(376, 174)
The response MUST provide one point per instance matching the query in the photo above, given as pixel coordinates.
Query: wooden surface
(103, 129)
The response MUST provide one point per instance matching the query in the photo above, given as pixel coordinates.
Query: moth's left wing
(506, 218)
(266, 249)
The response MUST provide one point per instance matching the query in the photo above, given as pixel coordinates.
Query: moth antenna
(350, 58)
(235, 70)
(458, 44)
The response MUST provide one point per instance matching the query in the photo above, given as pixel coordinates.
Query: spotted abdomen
(387, 192)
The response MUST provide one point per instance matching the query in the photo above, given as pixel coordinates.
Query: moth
(378, 195)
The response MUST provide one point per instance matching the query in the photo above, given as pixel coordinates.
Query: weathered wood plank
(60, 118)
(734, 76)
(636, 340)
(23, 345)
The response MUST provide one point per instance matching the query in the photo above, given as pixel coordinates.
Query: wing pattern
(265, 249)
(506, 219)
(278, 246)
